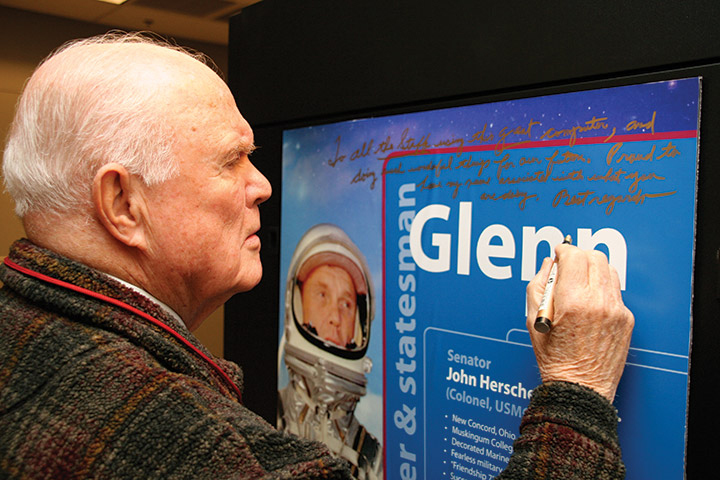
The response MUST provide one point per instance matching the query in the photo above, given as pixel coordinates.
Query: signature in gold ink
(637, 198)
(588, 197)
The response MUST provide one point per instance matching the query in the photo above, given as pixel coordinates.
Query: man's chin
(249, 282)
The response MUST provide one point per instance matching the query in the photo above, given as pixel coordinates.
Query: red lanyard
(131, 309)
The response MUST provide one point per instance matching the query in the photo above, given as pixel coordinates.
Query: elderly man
(128, 163)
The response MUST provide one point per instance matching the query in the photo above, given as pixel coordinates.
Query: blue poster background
(489, 189)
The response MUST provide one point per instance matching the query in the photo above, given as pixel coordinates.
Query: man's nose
(258, 187)
(335, 315)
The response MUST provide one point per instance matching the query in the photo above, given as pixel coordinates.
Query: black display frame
(294, 64)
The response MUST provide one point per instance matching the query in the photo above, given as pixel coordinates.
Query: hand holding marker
(543, 322)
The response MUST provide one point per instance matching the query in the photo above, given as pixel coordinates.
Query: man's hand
(591, 331)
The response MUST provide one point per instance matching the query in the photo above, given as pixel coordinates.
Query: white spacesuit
(327, 378)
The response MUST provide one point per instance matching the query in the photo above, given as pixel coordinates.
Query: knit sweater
(568, 432)
(88, 390)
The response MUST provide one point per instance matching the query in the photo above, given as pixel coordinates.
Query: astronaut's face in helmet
(329, 302)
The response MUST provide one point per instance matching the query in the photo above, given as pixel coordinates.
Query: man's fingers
(615, 283)
(574, 258)
(536, 287)
(598, 270)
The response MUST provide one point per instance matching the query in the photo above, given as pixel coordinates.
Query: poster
(454, 211)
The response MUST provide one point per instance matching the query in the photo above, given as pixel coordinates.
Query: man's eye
(233, 162)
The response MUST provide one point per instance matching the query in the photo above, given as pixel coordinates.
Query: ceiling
(200, 20)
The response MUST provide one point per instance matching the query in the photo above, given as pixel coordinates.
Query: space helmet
(327, 244)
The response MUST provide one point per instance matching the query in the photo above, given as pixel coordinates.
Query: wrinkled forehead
(207, 114)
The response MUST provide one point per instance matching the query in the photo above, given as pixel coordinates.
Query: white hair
(85, 107)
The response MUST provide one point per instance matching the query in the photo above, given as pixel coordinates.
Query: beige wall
(25, 39)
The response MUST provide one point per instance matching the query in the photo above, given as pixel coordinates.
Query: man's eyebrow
(344, 289)
(245, 148)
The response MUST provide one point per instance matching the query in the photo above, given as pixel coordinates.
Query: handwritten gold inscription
(635, 125)
(588, 197)
(367, 175)
(571, 133)
(627, 162)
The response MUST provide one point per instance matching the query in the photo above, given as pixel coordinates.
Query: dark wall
(295, 60)
(292, 63)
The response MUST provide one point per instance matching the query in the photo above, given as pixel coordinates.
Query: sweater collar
(91, 311)
(146, 294)
(47, 262)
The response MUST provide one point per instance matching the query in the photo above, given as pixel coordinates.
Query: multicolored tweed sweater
(567, 432)
(90, 391)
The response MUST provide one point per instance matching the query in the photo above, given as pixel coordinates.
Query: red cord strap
(129, 308)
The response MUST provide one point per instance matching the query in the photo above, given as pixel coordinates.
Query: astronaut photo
(329, 308)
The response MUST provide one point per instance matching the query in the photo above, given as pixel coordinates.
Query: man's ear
(118, 203)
